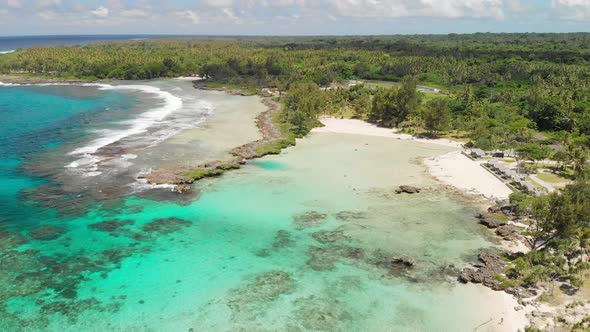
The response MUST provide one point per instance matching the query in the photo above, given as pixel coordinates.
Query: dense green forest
(502, 91)
(526, 93)
(507, 78)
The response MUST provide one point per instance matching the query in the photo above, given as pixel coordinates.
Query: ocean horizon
(13, 43)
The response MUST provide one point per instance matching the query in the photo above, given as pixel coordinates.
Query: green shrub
(200, 173)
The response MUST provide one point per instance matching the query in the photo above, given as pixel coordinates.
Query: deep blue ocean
(36, 120)
(10, 43)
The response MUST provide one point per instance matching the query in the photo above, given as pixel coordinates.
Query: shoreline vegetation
(524, 97)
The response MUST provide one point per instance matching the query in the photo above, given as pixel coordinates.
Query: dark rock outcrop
(521, 292)
(502, 206)
(490, 263)
(408, 190)
(508, 232)
(382, 259)
(405, 261)
(489, 221)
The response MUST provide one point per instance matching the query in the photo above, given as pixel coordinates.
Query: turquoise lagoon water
(295, 242)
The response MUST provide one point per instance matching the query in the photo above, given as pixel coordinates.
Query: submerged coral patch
(315, 313)
(350, 215)
(110, 226)
(166, 225)
(283, 239)
(73, 308)
(115, 228)
(330, 236)
(252, 298)
(47, 233)
(309, 219)
(325, 258)
(9, 240)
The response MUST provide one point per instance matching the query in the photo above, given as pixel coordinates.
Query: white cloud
(14, 4)
(282, 3)
(48, 3)
(219, 3)
(577, 10)
(419, 8)
(190, 15)
(134, 12)
(101, 12)
(229, 13)
(571, 3)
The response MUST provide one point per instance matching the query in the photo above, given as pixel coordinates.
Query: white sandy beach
(501, 311)
(350, 126)
(452, 168)
(457, 170)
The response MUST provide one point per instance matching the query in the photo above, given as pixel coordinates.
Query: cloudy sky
(290, 17)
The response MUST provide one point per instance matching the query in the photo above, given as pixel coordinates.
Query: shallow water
(297, 242)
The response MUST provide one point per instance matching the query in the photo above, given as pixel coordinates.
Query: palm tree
(576, 155)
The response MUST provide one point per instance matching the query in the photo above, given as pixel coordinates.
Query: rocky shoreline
(492, 263)
(182, 178)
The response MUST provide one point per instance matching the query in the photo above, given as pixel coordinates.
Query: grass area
(504, 282)
(381, 84)
(552, 178)
(428, 96)
(248, 90)
(389, 84)
(227, 167)
(558, 297)
(344, 113)
(201, 173)
(537, 184)
(453, 135)
(456, 135)
(275, 147)
(501, 217)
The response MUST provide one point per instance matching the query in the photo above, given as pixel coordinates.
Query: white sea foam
(138, 125)
(6, 52)
(142, 185)
(88, 164)
(8, 84)
(163, 122)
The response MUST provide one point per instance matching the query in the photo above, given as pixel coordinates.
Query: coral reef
(252, 298)
(309, 219)
(166, 225)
